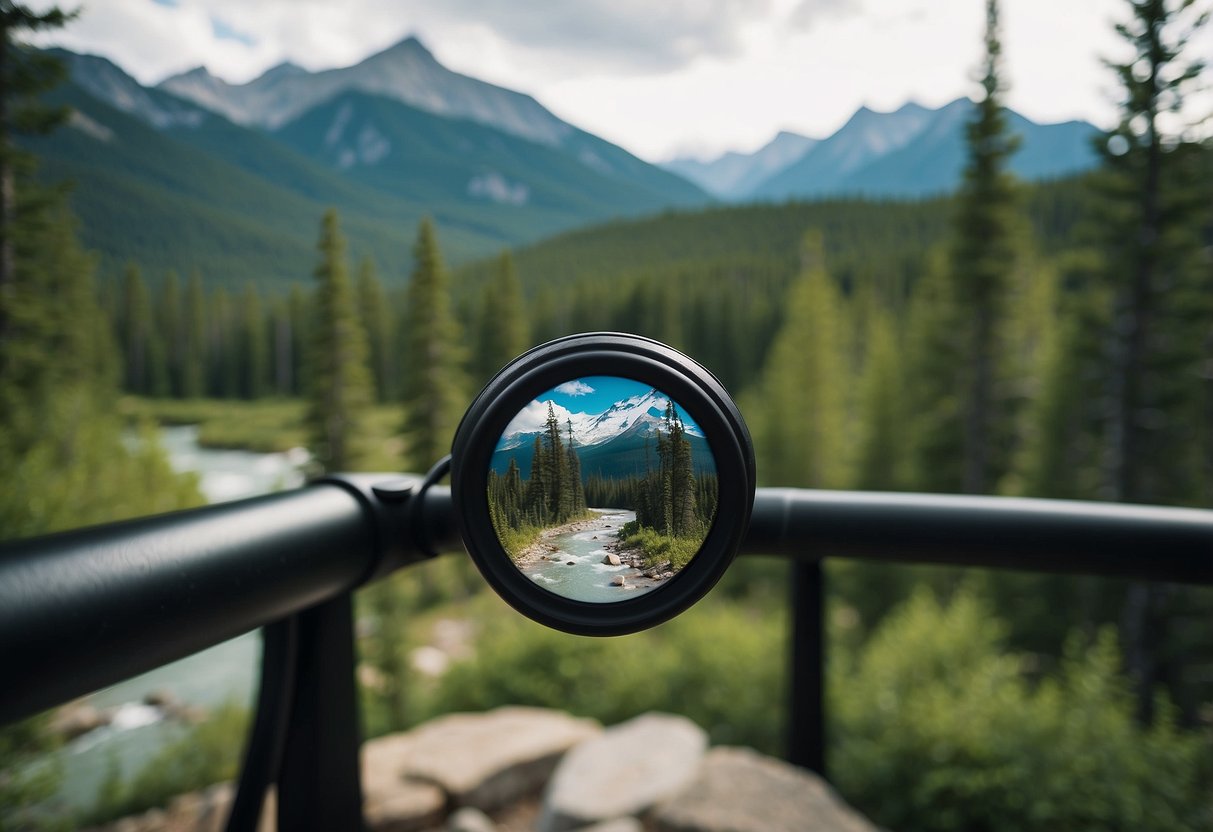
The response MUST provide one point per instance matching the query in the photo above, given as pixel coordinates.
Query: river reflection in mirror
(602, 489)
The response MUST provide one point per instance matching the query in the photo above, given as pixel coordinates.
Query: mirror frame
(649, 362)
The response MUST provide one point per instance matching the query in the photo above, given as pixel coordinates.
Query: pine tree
(433, 357)
(1151, 207)
(137, 332)
(61, 450)
(194, 361)
(982, 262)
(880, 454)
(504, 332)
(378, 321)
(254, 346)
(169, 324)
(802, 393)
(338, 383)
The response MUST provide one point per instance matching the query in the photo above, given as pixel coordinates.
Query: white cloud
(577, 387)
(534, 417)
(653, 77)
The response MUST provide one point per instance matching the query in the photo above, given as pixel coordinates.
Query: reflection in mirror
(602, 489)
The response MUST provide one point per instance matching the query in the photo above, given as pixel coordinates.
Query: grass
(267, 425)
(658, 548)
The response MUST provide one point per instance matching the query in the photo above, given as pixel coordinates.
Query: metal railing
(88, 608)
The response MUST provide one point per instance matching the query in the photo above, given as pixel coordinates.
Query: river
(573, 561)
(224, 673)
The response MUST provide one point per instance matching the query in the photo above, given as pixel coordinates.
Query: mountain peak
(411, 45)
(286, 69)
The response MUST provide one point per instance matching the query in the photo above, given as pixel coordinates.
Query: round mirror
(602, 482)
(602, 488)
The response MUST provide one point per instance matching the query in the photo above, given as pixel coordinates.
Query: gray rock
(469, 819)
(624, 772)
(489, 760)
(616, 825)
(740, 790)
(612, 559)
(391, 802)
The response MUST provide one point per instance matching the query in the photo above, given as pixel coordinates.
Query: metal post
(806, 710)
(319, 784)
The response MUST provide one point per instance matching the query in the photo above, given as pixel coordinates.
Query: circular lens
(602, 488)
(602, 482)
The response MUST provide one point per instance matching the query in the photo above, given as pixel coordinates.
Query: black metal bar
(806, 710)
(267, 736)
(1110, 539)
(319, 783)
(91, 607)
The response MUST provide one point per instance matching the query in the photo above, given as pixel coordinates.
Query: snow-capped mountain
(638, 416)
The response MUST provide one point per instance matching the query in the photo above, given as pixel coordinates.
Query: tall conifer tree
(982, 264)
(504, 331)
(194, 362)
(434, 388)
(338, 383)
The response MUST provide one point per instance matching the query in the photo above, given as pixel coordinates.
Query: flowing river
(572, 563)
(224, 673)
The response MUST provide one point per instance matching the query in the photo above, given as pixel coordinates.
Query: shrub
(935, 727)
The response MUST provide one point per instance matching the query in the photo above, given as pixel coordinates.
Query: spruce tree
(377, 319)
(137, 331)
(254, 346)
(434, 388)
(799, 407)
(338, 384)
(169, 323)
(1150, 210)
(504, 331)
(194, 361)
(983, 259)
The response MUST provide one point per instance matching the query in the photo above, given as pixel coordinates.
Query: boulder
(612, 559)
(740, 790)
(391, 801)
(623, 772)
(571, 563)
(469, 819)
(619, 580)
(488, 760)
(616, 825)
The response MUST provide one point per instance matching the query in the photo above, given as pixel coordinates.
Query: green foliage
(801, 433)
(503, 331)
(659, 548)
(206, 754)
(434, 383)
(719, 663)
(938, 728)
(337, 379)
(23, 791)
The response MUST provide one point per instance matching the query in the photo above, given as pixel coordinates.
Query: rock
(488, 760)
(571, 563)
(76, 719)
(390, 801)
(160, 698)
(627, 770)
(616, 825)
(619, 580)
(469, 819)
(740, 790)
(612, 559)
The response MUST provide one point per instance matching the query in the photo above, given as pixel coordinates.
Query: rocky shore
(535, 770)
(542, 549)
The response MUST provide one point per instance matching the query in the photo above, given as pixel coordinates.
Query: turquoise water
(576, 569)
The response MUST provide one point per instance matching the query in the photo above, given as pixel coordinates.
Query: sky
(661, 78)
(591, 395)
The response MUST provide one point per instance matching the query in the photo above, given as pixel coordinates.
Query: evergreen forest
(1049, 340)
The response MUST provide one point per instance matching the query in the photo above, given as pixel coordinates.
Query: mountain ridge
(907, 153)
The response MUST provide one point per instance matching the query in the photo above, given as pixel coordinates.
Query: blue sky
(591, 395)
(658, 78)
